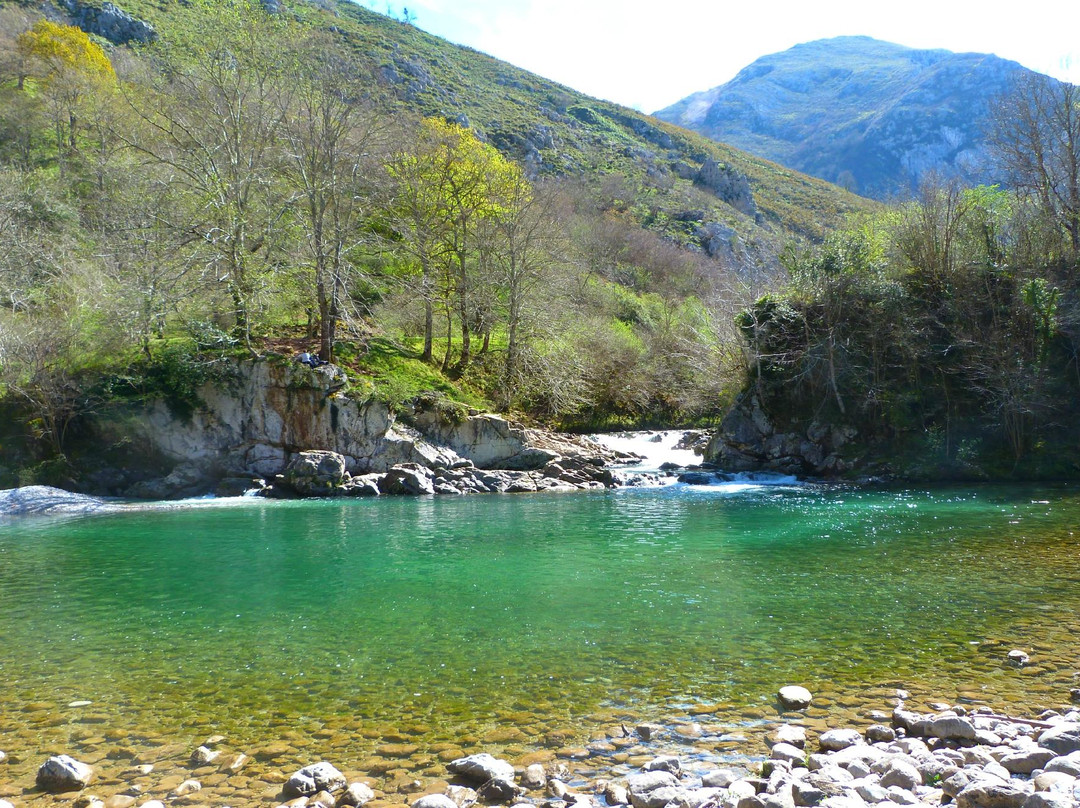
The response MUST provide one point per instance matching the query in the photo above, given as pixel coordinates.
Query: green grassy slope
(555, 130)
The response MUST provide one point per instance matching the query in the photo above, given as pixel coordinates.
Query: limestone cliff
(261, 414)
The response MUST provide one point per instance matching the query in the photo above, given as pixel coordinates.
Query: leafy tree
(70, 68)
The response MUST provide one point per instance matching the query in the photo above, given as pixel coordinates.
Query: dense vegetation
(945, 331)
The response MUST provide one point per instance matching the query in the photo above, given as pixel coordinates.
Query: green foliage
(930, 332)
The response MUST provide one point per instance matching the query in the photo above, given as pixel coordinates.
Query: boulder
(481, 767)
(63, 773)
(312, 779)
(1063, 739)
(794, 697)
(879, 733)
(316, 472)
(409, 479)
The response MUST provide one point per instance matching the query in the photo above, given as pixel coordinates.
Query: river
(518, 623)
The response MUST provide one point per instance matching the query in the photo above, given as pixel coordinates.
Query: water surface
(459, 616)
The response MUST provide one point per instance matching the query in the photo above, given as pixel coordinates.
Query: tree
(214, 125)
(446, 183)
(69, 67)
(1036, 135)
(329, 136)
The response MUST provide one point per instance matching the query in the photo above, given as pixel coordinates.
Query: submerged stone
(64, 773)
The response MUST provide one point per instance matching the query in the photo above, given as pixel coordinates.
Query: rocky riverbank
(286, 429)
(972, 757)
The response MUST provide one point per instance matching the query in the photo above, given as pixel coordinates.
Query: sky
(647, 54)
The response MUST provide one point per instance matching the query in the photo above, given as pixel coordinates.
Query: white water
(656, 447)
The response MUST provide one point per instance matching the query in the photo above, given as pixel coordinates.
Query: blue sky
(650, 54)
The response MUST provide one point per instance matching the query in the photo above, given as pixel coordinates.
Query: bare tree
(1036, 135)
(214, 126)
(331, 142)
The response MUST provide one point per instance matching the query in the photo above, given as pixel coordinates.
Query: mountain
(871, 116)
(707, 196)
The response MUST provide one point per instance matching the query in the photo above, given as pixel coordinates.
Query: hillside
(869, 115)
(555, 131)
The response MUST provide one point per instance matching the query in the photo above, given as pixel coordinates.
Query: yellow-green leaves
(64, 50)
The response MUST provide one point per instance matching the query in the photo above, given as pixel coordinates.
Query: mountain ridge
(871, 116)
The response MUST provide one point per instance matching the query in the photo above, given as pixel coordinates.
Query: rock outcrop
(43, 499)
(108, 21)
(748, 440)
(295, 426)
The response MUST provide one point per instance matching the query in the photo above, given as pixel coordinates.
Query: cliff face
(264, 414)
(871, 116)
(266, 411)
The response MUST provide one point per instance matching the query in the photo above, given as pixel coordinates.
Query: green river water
(523, 622)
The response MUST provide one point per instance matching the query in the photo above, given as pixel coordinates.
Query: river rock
(1018, 658)
(187, 787)
(1049, 799)
(787, 752)
(641, 786)
(355, 795)
(482, 767)
(499, 790)
(311, 779)
(34, 500)
(794, 697)
(790, 733)
(990, 793)
(879, 733)
(664, 763)
(1025, 761)
(63, 773)
(534, 777)
(1054, 781)
(834, 740)
(1062, 739)
(902, 774)
(1069, 764)
(952, 727)
(203, 756)
(434, 801)
(722, 778)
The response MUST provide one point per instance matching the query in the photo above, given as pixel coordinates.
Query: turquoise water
(458, 614)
